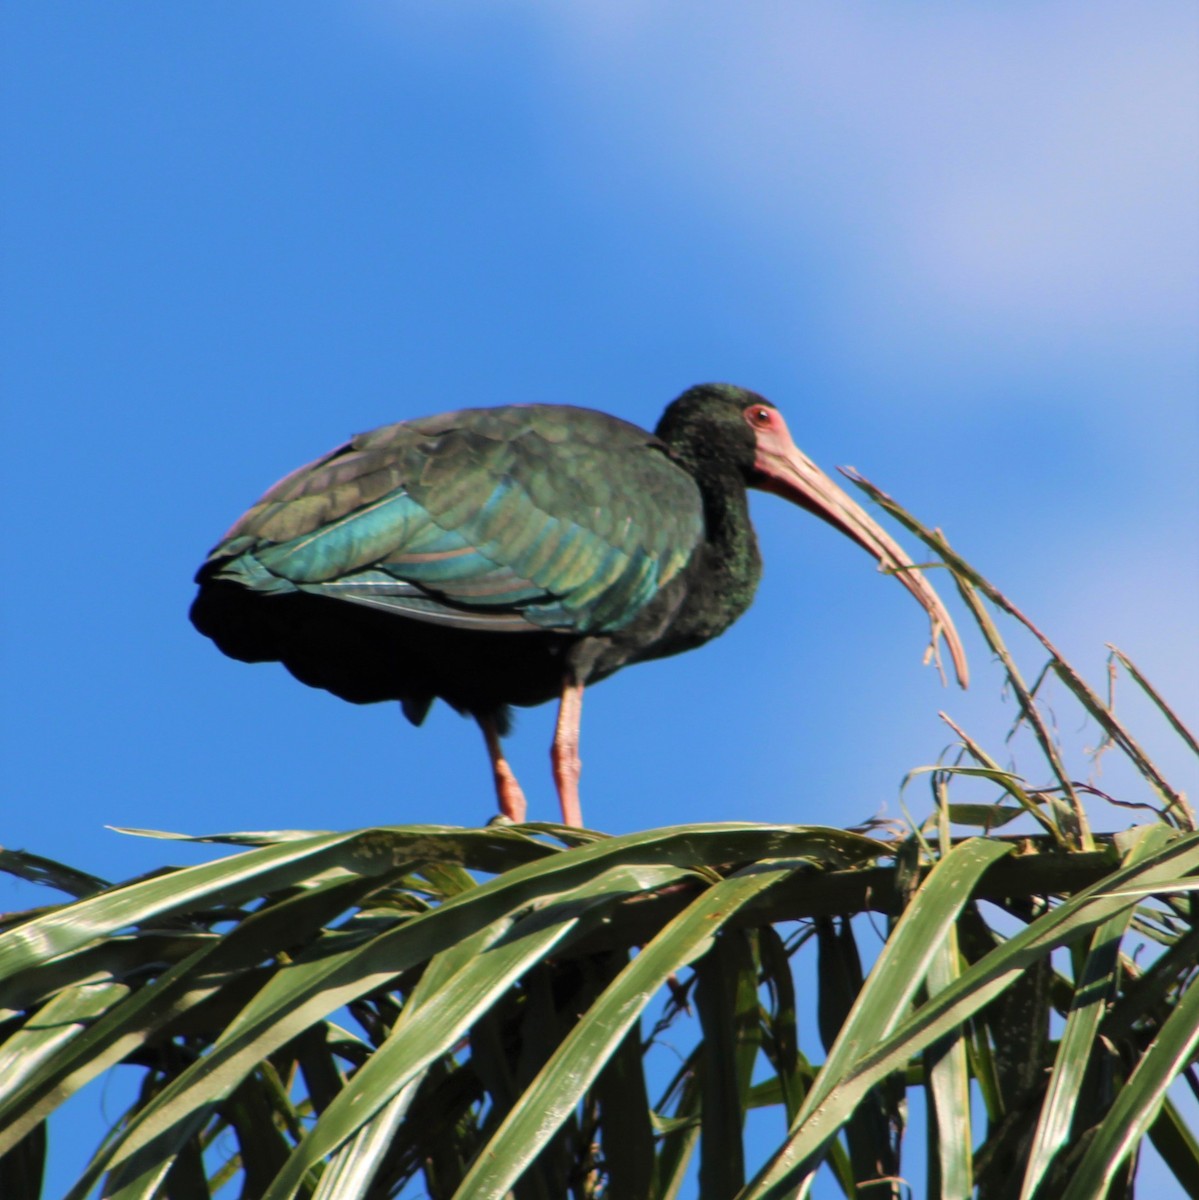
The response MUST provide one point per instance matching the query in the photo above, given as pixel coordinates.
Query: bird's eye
(758, 415)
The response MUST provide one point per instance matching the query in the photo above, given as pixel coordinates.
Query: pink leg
(565, 752)
(507, 790)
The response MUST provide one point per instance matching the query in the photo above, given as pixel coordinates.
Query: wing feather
(515, 518)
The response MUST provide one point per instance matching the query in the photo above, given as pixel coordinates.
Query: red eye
(758, 416)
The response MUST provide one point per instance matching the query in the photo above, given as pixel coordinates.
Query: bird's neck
(733, 543)
(727, 567)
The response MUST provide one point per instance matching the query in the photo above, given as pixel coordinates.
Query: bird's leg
(507, 790)
(564, 754)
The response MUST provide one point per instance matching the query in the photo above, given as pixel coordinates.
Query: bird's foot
(512, 799)
(508, 792)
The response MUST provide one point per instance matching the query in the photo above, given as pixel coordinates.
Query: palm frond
(543, 1012)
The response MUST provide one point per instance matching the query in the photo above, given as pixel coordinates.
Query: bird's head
(720, 425)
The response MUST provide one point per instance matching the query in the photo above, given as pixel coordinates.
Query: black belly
(366, 656)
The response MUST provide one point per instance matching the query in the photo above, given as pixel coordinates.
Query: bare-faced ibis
(501, 556)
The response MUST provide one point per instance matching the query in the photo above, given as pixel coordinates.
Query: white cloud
(1038, 165)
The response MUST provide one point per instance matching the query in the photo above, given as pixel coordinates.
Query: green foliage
(543, 1012)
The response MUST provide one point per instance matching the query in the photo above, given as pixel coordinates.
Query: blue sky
(956, 244)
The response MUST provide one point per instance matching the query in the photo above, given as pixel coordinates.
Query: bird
(514, 555)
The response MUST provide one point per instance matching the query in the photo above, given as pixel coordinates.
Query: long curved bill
(782, 468)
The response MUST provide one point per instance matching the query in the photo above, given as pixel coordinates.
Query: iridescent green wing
(507, 518)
